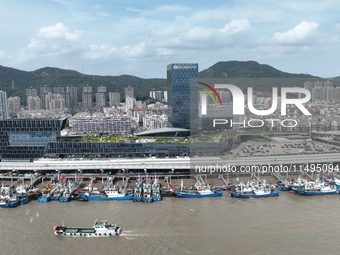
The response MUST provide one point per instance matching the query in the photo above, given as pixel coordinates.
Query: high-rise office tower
(114, 98)
(43, 91)
(3, 105)
(129, 92)
(87, 97)
(179, 77)
(73, 94)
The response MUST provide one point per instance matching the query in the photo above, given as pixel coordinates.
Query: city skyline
(140, 38)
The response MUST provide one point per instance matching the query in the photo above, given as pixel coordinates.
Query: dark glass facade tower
(178, 79)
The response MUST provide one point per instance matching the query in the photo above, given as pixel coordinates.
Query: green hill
(246, 69)
(241, 73)
(55, 76)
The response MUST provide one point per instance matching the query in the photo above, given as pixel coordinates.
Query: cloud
(236, 26)
(300, 34)
(189, 37)
(139, 51)
(99, 52)
(54, 41)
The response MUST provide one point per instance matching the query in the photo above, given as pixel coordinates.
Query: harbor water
(222, 225)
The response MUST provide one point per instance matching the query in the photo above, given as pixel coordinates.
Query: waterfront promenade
(161, 164)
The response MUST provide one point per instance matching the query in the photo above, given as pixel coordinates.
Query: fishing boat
(321, 189)
(44, 198)
(77, 197)
(199, 190)
(68, 191)
(147, 191)
(156, 190)
(23, 199)
(283, 185)
(298, 183)
(99, 229)
(9, 200)
(137, 191)
(254, 189)
(30, 193)
(46, 192)
(110, 194)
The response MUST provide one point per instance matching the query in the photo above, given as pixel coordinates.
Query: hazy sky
(114, 37)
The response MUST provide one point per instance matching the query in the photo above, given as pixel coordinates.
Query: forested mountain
(242, 73)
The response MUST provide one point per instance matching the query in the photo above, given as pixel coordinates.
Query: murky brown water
(222, 225)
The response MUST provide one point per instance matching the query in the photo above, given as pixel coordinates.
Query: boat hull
(23, 200)
(90, 232)
(157, 198)
(147, 200)
(64, 199)
(43, 199)
(188, 195)
(315, 193)
(128, 197)
(234, 194)
(283, 188)
(10, 205)
(137, 199)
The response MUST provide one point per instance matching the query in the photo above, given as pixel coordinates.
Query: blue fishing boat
(23, 199)
(156, 190)
(44, 198)
(282, 187)
(47, 192)
(271, 193)
(317, 189)
(68, 191)
(253, 189)
(110, 194)
(147, 191)
(9, 200)
(298, 183)
(137, 191)
(199, 190)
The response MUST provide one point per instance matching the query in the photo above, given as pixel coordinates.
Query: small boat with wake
(99, 229)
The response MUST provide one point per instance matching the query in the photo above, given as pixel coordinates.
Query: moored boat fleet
(149, 189)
